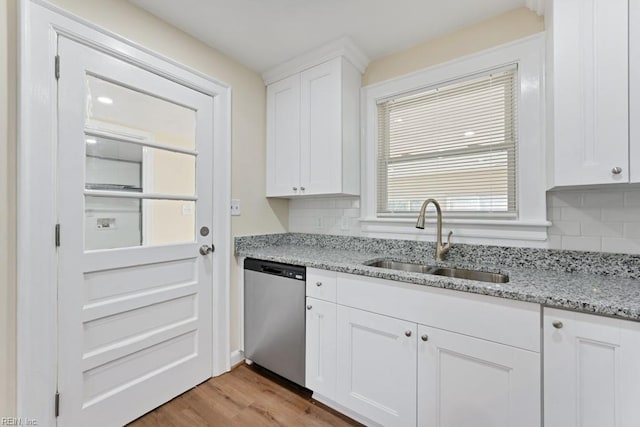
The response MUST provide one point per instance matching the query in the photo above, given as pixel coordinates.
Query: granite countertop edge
(600, 295)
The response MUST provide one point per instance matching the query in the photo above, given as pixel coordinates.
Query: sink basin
(458, 273)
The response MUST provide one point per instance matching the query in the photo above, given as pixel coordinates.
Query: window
(486, 112)
(455, 142)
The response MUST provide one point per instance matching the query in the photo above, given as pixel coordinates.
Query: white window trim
(531, 224)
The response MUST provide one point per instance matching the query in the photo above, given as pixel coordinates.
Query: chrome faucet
(441, 250)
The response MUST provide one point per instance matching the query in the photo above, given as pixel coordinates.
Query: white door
(283, 137)
(591, 373)
(134, 191)
(591, 91)
(321, 356)
(469, 382)
(377, 367)
(321, 125)
(634, 90)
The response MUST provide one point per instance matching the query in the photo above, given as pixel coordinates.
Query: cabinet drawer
(321, 284)
(500, 320)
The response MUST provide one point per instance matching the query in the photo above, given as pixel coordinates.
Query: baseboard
(348, 412)
(237, 357)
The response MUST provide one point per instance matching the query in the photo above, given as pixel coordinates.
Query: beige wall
(248, 138)
(7, 205)
(501, 29)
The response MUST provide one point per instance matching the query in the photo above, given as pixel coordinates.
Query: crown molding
(343, 46)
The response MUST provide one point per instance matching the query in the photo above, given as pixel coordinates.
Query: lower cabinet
(377, 366)
(469, 382)
(591, 370)
(372, 358)
(321, 356)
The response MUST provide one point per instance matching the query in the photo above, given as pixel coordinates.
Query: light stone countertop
(579, 289)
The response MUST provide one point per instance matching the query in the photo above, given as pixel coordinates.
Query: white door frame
(40, 24)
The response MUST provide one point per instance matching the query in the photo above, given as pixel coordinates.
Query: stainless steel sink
(459, 273)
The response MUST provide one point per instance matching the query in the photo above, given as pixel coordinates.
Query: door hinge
(57, 235)
(57, 404)
(57, 71)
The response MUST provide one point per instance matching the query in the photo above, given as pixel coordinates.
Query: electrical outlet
(319, 224)
(235, 207)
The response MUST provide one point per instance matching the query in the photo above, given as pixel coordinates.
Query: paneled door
(467, 382)
(135, 253)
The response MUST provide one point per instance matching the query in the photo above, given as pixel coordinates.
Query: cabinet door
(470, 382)
(283, 137)
(321, 137)
(377, 367)
(634, 89)
(591, 88)
(591, 373)
(321, 356)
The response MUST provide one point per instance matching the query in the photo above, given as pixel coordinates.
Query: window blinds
(455, 143)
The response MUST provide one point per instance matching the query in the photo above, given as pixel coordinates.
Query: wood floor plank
(246, 396)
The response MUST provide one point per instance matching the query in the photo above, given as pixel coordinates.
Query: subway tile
(622, 246)
(554, 242)
(632, 198)
(578, 214)
(352, 213)
(559, 199)
(581, 243)
(632, 230)
(601, 229)
(602, 199)
(554, 214)
(628, 214)
(344, 202)
(565, 228)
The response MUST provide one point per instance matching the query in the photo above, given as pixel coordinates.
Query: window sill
(474, 231)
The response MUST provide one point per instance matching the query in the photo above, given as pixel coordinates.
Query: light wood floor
(246, 396)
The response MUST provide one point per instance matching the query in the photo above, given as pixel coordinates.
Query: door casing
(40, 25)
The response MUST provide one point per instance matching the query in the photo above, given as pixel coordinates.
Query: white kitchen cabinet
(468, 382)
(313, 141)
(634, 89)
(591, 370)
(377, 367)
(589, 81)
(321, 284)
(321, 356)
(283, 134)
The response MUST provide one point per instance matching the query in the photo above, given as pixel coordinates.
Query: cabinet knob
(318, 283)
(302, 188)
(309, 307)
(617, 170)
(557, 324)
(425, 337)
(295, 188)
(407, 333)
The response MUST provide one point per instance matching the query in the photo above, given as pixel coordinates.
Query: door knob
(408, 333)
(206, 249)
(617, 170)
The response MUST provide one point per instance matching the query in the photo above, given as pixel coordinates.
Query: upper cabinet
(589, 53)
(313, 143)
(634, 89)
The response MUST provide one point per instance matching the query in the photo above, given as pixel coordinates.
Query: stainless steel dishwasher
(274, 317)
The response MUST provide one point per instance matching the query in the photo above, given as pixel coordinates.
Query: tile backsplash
(585, 220)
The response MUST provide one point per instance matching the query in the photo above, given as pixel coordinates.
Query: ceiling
(264, 33)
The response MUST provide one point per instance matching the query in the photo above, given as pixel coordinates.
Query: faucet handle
(447, 245)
